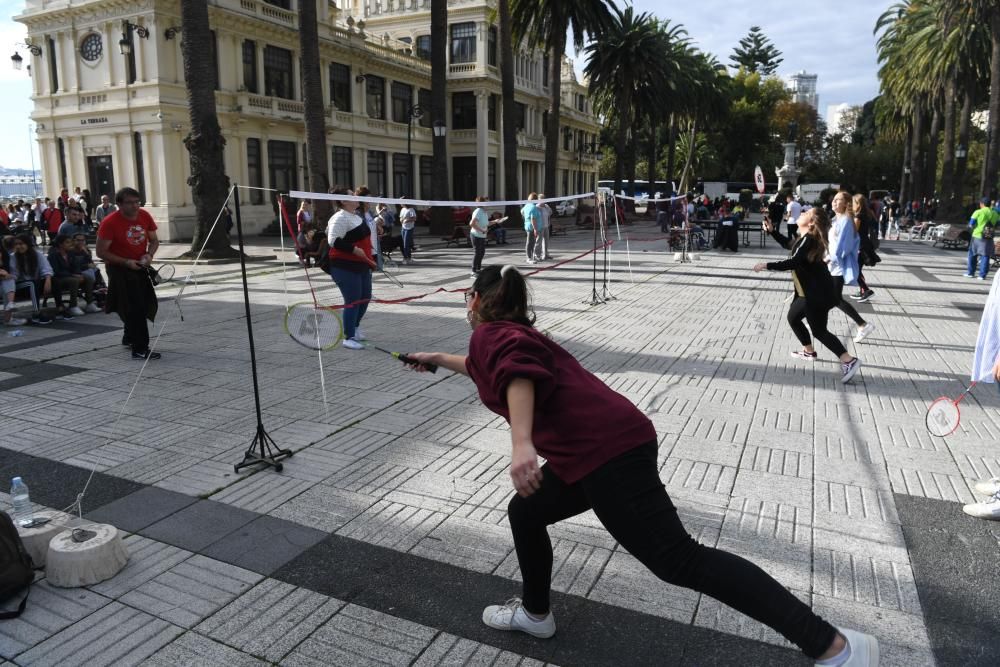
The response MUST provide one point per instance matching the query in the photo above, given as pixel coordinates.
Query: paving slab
(199, 524)
(264, 544)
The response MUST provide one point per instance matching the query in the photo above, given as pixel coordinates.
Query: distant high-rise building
(803, 88)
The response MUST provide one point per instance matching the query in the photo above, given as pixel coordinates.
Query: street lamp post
(440, 216)
(412, 114)
(126, 43)
(17, 61)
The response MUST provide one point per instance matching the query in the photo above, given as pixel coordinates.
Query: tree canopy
(755, 53)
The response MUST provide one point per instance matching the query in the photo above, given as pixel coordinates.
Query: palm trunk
(930, 168)
(988, 187)
(509, 114)
(651, 165)
(441, 222)
(671, 150)
(621, 142)
(961, 163)
(687, 161)
(208, 181)
(917, 154)
(904, 179)
(314, 110)
(947, 209)
(555, 100)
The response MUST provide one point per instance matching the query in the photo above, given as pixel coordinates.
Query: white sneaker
(980, 278)
(864, 649)
(967, 275)
(15, 322)
(359, 335)
(75, 311)
(9, 305)
(849, 370)
(352, 344)
(511, 616)
(989, 487)
(864, 331)
(91, 308)
(988, 509)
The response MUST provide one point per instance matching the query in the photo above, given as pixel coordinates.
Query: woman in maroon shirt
(600, 453)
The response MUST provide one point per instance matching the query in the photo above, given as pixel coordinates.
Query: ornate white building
(106, 119)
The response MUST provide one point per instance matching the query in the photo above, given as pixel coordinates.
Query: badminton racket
(313, 326)
(164, 273)
(409, 361)
(391, 278)
(943, 415)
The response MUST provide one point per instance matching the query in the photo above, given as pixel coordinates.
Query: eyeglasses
(469, 295)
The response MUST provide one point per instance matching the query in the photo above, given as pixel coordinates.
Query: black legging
(628, 497)
(479, 243)
(817, 317)
(844, 306)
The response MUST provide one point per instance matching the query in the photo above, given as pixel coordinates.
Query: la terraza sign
(93, 121)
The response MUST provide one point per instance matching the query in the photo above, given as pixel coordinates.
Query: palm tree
(208, 181)
(545, 23)
(440, 215)
(314, 108)
(508, 111)
(626, 67)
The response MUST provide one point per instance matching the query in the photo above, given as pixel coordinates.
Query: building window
(343, 167)
(463, 43)
(91, 48)
(376, 172)
(254, 173)
(401, 175)
(426, 176)
(284, 4)
(491, 114)
(520, 115)
(424, 47)
(545, 70)
(53, 70)
(375, 97)
(465, 178)
(340, 86)
(567, 138)
(463, 111)
(492, 178)
(140, 169)
(250, 65)
(580, 106)
(491, 51)
(424, 100)
(402, 100)
(282, 165)
(278, 72)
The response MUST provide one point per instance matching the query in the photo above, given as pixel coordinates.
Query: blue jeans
(407, 235)
(353, 287)
(976, 253)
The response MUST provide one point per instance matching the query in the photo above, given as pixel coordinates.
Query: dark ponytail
(503, 295)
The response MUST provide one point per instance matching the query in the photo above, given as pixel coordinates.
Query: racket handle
(432, 368)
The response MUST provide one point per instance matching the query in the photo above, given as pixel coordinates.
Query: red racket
(944, 416)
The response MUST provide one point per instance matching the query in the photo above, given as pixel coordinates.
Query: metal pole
(34, 176)
(409, 152)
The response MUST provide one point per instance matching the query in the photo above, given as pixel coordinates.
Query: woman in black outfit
(815, 293)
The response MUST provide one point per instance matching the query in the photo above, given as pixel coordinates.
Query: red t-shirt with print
(129, 238)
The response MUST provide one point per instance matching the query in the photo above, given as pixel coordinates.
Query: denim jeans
(354, 286)
(630, 501)
(974, 256)
(479, 243)
(407, 235)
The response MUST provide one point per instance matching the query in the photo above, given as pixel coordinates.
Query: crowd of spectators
(66, 273)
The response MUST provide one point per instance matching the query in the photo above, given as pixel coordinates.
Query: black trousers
(844, 305)
(629, 499)
(136, 293)
(817, 317)
(479, 244)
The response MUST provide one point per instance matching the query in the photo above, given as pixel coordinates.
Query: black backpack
(15, 566)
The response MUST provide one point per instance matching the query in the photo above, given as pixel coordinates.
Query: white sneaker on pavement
(988, 487)
(352, 344)
(863, 650)
(76, 312)
(92, 308)
(988, 509)
(511, 616)
(864, 331)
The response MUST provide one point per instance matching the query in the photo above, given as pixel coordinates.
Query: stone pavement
(385, 534)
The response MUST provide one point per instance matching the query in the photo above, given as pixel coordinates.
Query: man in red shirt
(126, 241)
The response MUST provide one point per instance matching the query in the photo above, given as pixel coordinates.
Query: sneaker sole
(510, 628)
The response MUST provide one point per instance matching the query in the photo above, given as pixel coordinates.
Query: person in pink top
(601, 454)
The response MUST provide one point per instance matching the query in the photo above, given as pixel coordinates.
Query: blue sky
(831, 39)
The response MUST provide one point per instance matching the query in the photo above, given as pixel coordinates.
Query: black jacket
(812, 279)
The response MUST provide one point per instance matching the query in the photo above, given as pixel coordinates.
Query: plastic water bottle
(22, 503)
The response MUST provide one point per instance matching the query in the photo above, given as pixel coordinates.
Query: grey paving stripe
(452, 598)
(921, 273)
(954, 560)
